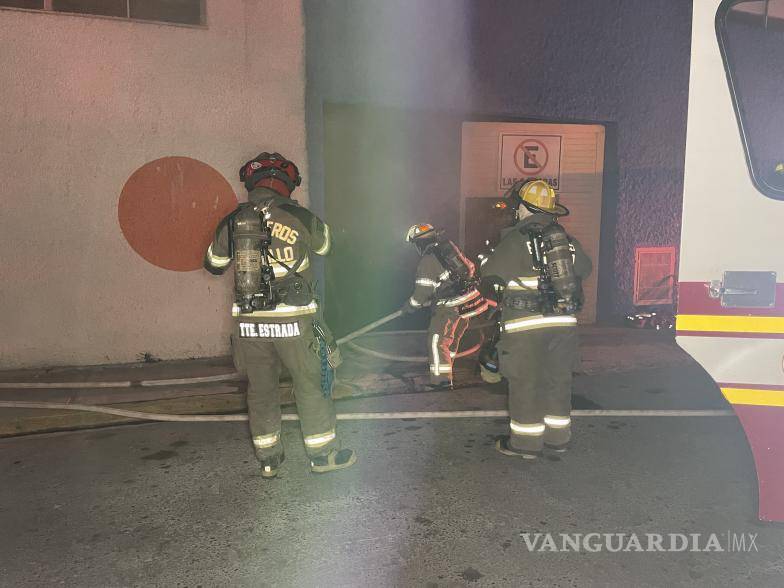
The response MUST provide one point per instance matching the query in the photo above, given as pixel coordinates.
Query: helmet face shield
(418, 231)
(422, 236)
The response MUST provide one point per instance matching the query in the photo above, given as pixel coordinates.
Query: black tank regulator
(250, 240)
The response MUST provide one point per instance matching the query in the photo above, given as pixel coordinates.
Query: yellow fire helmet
(539, 196)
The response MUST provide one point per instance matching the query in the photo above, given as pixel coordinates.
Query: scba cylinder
(248, 231)
(560, 266)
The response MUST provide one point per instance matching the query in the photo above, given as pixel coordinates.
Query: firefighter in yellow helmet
(537, 270)
(446, 282)
(271, 240)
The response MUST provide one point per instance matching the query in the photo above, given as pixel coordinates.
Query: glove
(409, 308)
(565, 306)
(490, 288)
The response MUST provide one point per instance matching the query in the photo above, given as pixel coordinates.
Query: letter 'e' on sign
(529, 157)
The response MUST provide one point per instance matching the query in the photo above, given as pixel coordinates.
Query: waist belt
(467, 305)
(280, 310)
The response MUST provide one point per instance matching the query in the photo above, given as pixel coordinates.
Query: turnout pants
(538, 365)
(446, 329)
(262, 360)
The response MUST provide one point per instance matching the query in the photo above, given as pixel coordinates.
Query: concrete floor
(430, 503)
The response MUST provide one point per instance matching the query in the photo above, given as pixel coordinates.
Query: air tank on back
(560, 266)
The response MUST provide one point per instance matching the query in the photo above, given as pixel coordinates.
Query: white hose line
(49, 385)
(408, 332)
(53, 385)
(408, 358)
(124, 384)
(386, 356)
(471, 327)
(133, 414)
(196, 380)
(356, 416)
(369, 327)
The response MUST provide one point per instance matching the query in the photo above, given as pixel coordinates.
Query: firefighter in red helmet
(445, 281)
(271, 240)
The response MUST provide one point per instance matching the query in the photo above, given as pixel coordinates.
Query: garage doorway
(570, 157)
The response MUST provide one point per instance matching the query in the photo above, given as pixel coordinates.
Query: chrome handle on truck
(745, 289)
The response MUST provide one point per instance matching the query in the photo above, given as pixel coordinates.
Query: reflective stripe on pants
(531, 429)
(539, 321)
(266, 441)
(557, 422)
(319, 440)
(538, 365)
(559, 429)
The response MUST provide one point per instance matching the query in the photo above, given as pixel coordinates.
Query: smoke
(404, 53)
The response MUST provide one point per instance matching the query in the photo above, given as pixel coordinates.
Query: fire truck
(731, 277)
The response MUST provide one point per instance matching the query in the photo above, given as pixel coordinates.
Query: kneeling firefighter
(445, 280)
(537, 270)
(271, 240)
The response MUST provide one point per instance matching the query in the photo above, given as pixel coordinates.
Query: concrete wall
(624, 63)
(86, 102)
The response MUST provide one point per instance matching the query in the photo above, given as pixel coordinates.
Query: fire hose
(293, 417)
(369, 327)
(196, 380)
(191, 418)
(390, 357)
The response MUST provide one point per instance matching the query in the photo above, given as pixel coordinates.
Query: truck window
(751, 38)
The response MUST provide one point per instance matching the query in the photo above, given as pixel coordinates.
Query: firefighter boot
(334, 460)
(502, 446)
(489, 376)
(270, 464)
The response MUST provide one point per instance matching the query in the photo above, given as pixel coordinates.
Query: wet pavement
(430, 503)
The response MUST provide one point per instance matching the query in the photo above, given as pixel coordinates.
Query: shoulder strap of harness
(291, 270)
(448, 257)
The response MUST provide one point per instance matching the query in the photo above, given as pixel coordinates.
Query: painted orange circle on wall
(169, 208)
